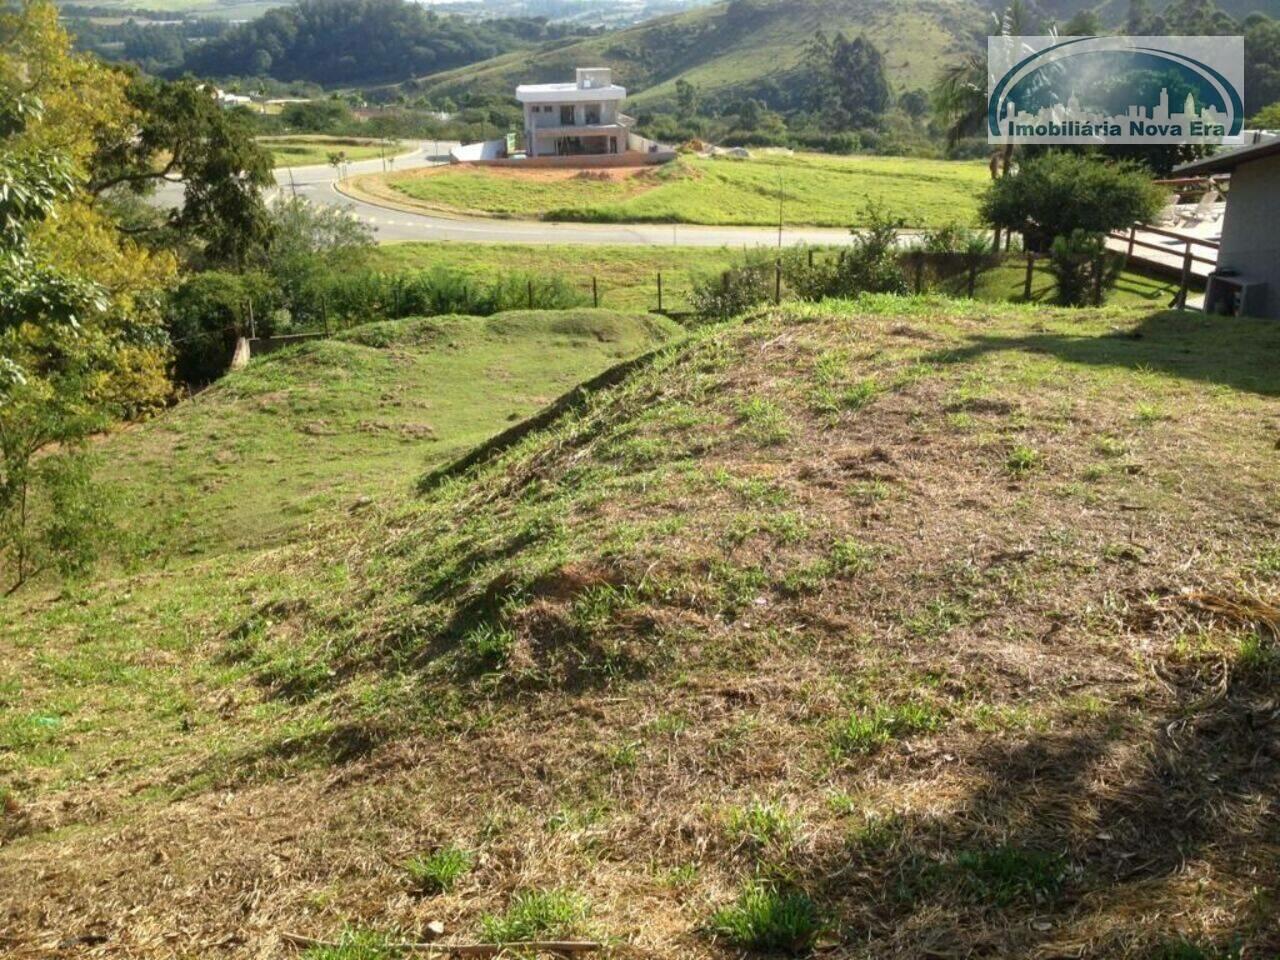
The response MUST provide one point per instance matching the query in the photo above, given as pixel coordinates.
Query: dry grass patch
(703, 667)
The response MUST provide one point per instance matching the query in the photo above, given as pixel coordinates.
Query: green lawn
(814, 189)
(303, 433)
(305, 151)
(626, 276)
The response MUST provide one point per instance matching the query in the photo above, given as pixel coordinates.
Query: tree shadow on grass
(1115, 839)
(1231, 351)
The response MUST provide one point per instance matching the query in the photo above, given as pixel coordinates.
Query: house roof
(1228, 161)
(559, 92)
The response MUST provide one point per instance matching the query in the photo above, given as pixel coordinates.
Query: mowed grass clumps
(814, 189)
(701, 667)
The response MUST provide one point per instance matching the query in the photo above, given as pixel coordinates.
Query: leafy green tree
(1066, 203)
(1261, 63)
(317, 116)
(1086, 23)
(182, 133)
(686, 99)
(307, 242)
(1138, 18)
(859, 79)
(1268, 118)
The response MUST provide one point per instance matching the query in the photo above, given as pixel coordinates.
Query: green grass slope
(734, 48)
(883, 628)
(324, 426)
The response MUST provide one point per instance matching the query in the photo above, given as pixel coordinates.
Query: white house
(575, 119)
(1247, 277)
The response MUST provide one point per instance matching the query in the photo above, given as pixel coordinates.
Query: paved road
(318, 184)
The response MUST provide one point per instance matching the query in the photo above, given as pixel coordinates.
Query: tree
(1138, 19)
(859, 79)
(307, 241)
(81, 332)
(1261, 63)
(1268, 118)
(1086, 23)
(180, 132)
(686, 99)
(1066, 202)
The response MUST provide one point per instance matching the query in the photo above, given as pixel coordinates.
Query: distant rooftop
(591, 83)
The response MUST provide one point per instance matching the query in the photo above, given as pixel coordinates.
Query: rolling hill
(733, 49)
(895, 627)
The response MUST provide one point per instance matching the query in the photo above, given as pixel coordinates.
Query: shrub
(765, 917)
(1081, 266)
(869, 265)
(1056, 194)
(736, 290)
(206, 314)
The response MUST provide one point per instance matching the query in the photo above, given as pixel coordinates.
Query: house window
(566, 116)
(592, 115)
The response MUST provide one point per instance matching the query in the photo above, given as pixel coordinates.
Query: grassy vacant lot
(816, 189)
(898, 627)
(626, 276)
(307, 151)
(300, 435)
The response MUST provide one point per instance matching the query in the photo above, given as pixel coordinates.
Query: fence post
(253, 327)
(595, 292)
(324, 314)
(530, 293)
(918, 257)
(777, 281)
(811, 256)
(1026, 286)
(1186, 278)
(973, 275)
(659, 291)
(1133, 233)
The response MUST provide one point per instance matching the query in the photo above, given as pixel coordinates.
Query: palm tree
(960, 93)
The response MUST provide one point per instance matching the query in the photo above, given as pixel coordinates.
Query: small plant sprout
(1021, 461)
(439, 872)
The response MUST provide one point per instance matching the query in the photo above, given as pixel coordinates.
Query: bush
(736, 290)
(1056, 194)
(208, 312)
(1082, 268)
(869, 265)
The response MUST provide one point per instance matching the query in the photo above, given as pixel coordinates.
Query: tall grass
(343, 300)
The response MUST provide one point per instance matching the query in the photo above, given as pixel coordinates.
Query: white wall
(1251, 227)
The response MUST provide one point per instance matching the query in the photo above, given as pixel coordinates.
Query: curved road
(319, 184)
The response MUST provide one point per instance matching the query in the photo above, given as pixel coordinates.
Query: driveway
(319, 185)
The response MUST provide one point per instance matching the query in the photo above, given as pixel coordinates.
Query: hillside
(731, 49)
(299, 435)
(901, 628)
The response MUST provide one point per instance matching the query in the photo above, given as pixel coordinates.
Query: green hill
(303, 433)
(732, 49)
(885, 627)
